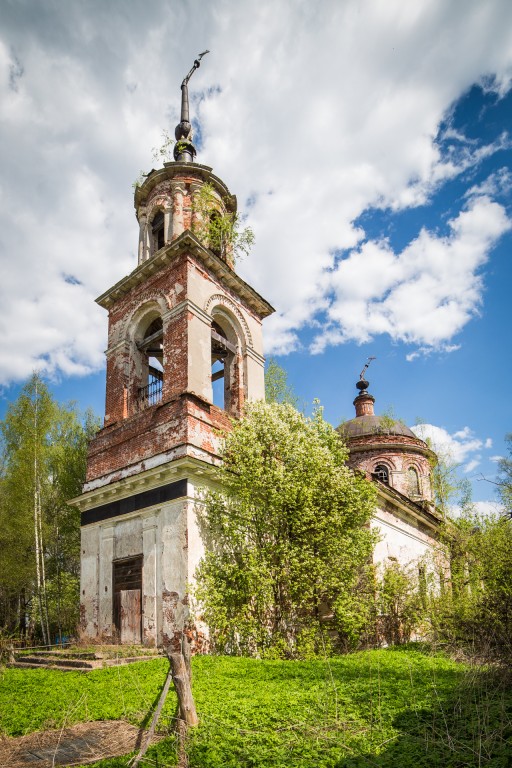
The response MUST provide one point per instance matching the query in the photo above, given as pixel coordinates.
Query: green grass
(390, 708)
(38, 699)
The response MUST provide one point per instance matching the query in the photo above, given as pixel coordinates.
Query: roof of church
(370, 424)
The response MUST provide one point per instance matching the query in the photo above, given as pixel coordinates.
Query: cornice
(187, 467)
(180, 172)
(390, 496)
(383, 446)
(165, 255)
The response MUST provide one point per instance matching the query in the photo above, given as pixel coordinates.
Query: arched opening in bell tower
(225, 366)
(413, 483)
(152, 364)
(381, 472)
(157, 231)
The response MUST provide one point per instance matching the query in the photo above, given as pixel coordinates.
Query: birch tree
(43, 465)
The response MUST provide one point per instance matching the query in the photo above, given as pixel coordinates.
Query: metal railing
(151, 394)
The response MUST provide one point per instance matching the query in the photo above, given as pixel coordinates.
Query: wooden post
(181, 680)
(156, 715)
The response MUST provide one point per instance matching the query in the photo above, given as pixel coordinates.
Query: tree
(473, 609)
(277, 389)
(401, 599)
(505, 477)
(288, 539)
(221, 232)
(43, 465)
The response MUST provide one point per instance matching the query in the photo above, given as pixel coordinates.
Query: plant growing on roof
(220, 231)
(161, 154)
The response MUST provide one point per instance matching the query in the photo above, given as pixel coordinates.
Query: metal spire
(184, 150)
(362, 384)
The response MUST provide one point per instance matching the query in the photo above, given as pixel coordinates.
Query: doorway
(127, 579)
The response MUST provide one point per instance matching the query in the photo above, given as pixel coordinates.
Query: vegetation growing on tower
(222, 232)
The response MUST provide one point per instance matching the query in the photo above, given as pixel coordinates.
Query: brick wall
(183, 423)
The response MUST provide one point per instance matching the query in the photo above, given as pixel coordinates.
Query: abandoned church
(183, 326)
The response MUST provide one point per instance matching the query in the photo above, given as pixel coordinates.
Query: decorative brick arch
(383, 458)
(149, 308)
(132, 321)
(161, 193)
(219, 299)
(160, 203)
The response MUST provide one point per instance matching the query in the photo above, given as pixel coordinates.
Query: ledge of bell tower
(219, 268)
(186, 426)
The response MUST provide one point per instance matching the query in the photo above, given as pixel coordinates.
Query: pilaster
(150, 628)
(105, 580)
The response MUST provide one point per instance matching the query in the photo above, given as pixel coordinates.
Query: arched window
(151, 349)
(224, 368)
(157, 231)
(413, 483)
(381, 472)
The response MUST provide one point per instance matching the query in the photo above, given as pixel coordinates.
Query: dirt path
(78, 745)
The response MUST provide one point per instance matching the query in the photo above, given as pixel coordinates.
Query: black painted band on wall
(133, 503)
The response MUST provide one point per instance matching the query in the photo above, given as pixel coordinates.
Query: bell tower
(184, 354)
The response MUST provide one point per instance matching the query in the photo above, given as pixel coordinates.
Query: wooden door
(127, 606)
(131, 615)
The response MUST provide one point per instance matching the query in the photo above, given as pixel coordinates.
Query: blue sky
(369, 144)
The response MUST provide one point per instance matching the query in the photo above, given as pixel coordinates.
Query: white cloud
(323, 110)
(483, 508)
(472, 465)
(459, 447)
(489, 508)
(423, 295)
(499, 183)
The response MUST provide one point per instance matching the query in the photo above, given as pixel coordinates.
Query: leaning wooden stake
(186, 714)
(156, 715)
(180, 673)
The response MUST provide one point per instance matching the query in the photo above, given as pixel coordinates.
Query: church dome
(386, 449)
(370, 424)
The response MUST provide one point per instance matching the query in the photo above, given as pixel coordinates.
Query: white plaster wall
(174, 568)
(255, 376)
(151, 577)
(106, 555)
(128, 537)
(199, 356)
(400, 540)
(195, 543)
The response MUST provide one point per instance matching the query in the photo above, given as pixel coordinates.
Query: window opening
(215, 233)
(381, 473)
(413, 484)
(152, 348)
(222, 353)
(157, 228)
